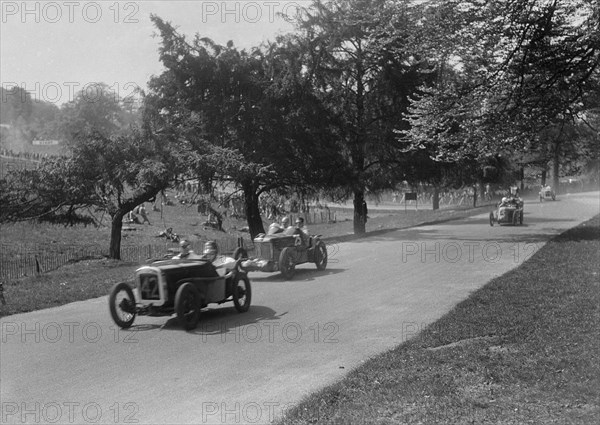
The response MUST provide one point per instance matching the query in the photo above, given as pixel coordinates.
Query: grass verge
(522, 349)
(74, 282)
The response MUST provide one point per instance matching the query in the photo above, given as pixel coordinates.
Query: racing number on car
(149, 288)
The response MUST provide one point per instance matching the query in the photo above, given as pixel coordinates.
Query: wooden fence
(14, 266)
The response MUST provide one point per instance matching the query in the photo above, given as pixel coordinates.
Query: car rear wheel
(240, 253)
(321, 256)
(122, 305)
(492, 219)
(242, 293)
(286, 263)
(521, 218)
(187, 306)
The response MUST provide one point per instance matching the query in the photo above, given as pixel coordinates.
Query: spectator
(142, 212)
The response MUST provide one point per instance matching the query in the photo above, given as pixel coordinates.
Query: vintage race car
(283, 252)
(547, 194)
(180, 286)
(508, 211)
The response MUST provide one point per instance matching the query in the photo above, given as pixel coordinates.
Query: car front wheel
(286, 263)
(187, 306)
(492, 219)
(122, 305)
(321, 256)
(242, 293)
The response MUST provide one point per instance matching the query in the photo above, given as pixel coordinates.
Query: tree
(106, 174)
(510, 73)
(246, 115)
(95, 109)
(362, 71)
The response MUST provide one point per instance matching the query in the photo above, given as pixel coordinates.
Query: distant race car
(180, 286)
(508, 211)
(547, 194)
(283, 252)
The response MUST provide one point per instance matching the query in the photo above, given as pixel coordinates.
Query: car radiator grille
(149, 289)
(264, 250)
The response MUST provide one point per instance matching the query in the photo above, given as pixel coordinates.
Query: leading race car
(509, 211)
(180, 286)
(283, 251)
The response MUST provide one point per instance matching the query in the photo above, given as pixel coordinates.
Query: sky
(53, 49)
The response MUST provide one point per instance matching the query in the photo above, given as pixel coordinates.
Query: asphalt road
(71, 364)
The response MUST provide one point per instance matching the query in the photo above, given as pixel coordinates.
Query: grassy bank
(523, 349)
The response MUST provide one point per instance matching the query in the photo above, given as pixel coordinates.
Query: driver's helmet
(210, 250)
(504, 200)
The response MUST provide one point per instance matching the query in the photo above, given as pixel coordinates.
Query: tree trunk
(475, 196)
(255, 224)
(543, 177)
(115, 235)
(555, 165)
(436, 198)
(360, 216)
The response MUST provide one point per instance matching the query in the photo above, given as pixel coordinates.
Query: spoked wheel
(187, 306)
(286, 263)
(492, 219)
(242, 293)
(122, 305)
(240, 253)
(321, 256)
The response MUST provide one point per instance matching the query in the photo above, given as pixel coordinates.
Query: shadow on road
(223, 320)
(301, 274)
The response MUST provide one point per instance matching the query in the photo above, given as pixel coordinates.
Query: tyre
(521, 218)
(286, 263)
(492, 219)
(515, 218)
(541, 198)
(122, 305)
(321, 255)
(242, 293)
(553, 197)
(240, 253)
(187, 306)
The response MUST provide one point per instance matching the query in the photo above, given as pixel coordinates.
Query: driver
(186, 251)
(211, 253)
(300, 225)
(303, 230)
